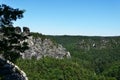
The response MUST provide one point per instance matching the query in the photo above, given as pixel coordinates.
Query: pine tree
(10, 41)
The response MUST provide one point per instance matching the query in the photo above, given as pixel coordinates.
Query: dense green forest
(92, 58)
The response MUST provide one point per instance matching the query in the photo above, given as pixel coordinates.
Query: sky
(69, 17)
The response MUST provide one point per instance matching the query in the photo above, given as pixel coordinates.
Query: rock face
(39, 48)
(10, 71)
(97, 43)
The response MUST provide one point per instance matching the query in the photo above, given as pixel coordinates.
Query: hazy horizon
(70, 17)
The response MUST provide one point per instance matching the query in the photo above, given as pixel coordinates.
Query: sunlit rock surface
(39, 48)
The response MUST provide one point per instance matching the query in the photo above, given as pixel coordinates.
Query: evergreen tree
(10, 41)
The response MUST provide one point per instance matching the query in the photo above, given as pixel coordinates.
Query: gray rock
(14, 76)
(17, 30)
(39, 48)
(26, 31)
(10, 71)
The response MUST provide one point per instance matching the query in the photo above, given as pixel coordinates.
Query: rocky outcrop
(26, 31)
(18, 30)
(39, 48)
(97, 43)
(10, 71)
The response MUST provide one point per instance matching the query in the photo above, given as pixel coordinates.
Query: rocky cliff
(39, 47)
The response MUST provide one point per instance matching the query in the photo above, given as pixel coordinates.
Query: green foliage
(55, 69)
(93, 58)
(8, 14)
(99, 58)
(88, 62)
(37, 35)
(113, 71)
(95, 63)
(10, 46)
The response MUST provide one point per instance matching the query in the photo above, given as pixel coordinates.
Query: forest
(100, 61)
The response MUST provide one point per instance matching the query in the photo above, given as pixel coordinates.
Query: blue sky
(70, 17)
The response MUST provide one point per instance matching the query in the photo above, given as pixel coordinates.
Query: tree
(8, 14)
(10, 41)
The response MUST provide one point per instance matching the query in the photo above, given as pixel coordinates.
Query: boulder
(26, 31)
(17, 30)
